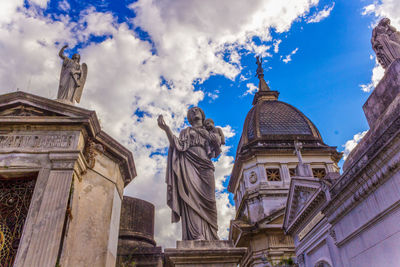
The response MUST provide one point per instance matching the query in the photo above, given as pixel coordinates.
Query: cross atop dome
(264, 92)
(262, 85)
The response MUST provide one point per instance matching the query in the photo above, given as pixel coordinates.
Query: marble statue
(262, 85)
(297, 150)
(302, 169)
(190, 177)
(259, 70)
(72, 77)
(386, 42)
(215, 150)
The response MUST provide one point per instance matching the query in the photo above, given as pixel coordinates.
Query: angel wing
(79, 89)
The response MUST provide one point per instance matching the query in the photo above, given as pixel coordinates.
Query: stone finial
(385, 42)
(72, 78)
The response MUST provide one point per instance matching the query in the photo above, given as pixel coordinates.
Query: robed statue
(190, 176)
(72, 77)
(386, 42)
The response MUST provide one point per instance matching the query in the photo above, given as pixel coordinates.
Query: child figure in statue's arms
(217, 139)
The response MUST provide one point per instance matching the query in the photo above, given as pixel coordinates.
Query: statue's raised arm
(61, 53)
(72, 78)
(161, 123)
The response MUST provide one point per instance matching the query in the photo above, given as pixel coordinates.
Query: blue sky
(147, 58)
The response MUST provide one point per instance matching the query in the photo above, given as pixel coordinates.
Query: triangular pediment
(21, 104)
(25, 110)
(301, 192)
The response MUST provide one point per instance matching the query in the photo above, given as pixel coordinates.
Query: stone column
(46, 230)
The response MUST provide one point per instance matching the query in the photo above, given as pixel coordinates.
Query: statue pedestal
(384, 94)
(204, 253)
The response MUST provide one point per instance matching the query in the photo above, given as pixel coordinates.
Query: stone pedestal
(136, 242)
(197, 253)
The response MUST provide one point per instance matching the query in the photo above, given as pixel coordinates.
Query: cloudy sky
(152, 57)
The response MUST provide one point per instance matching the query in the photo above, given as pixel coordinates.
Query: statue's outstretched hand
(161, 123)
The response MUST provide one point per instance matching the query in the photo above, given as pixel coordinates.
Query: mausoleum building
(264, 166)
(62, 180)
(353, 219)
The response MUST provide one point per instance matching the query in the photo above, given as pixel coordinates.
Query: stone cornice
(365, 182)
(373, 160)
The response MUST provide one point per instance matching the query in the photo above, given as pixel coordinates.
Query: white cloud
(288, 58)
(251, 89)
(377, 73)
(324, 13)
(40, 3)
(351, 144)
(243, 78)
(214, 95)
(276, 45)
(384, 8)
(126, 76)
(64, 5)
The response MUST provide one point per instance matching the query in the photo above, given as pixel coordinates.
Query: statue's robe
(191, 186)
(67, 87)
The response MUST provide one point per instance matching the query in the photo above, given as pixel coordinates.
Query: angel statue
(386, 42)
(72, 77)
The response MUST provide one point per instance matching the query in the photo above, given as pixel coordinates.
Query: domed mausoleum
(264, 164)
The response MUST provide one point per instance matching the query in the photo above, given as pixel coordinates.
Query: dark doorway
(15, 198)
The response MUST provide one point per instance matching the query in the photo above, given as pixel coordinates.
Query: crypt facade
(62, 180)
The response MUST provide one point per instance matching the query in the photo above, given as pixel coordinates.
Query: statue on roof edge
(72, 77)
(385, 42)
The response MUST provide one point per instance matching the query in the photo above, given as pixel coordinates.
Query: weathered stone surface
(137, 224)
(136, 234)
(384, 93)
(199, 253)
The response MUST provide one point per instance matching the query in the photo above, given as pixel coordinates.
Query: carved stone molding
(27, 111)
(253, 177)
(59, 141)
(63, 161)
(368, 180)
(372, 146)
(332, 233)
(91, 152)
(301, 260)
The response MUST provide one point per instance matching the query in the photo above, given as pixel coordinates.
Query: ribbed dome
(273, 120)
(277, 118)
